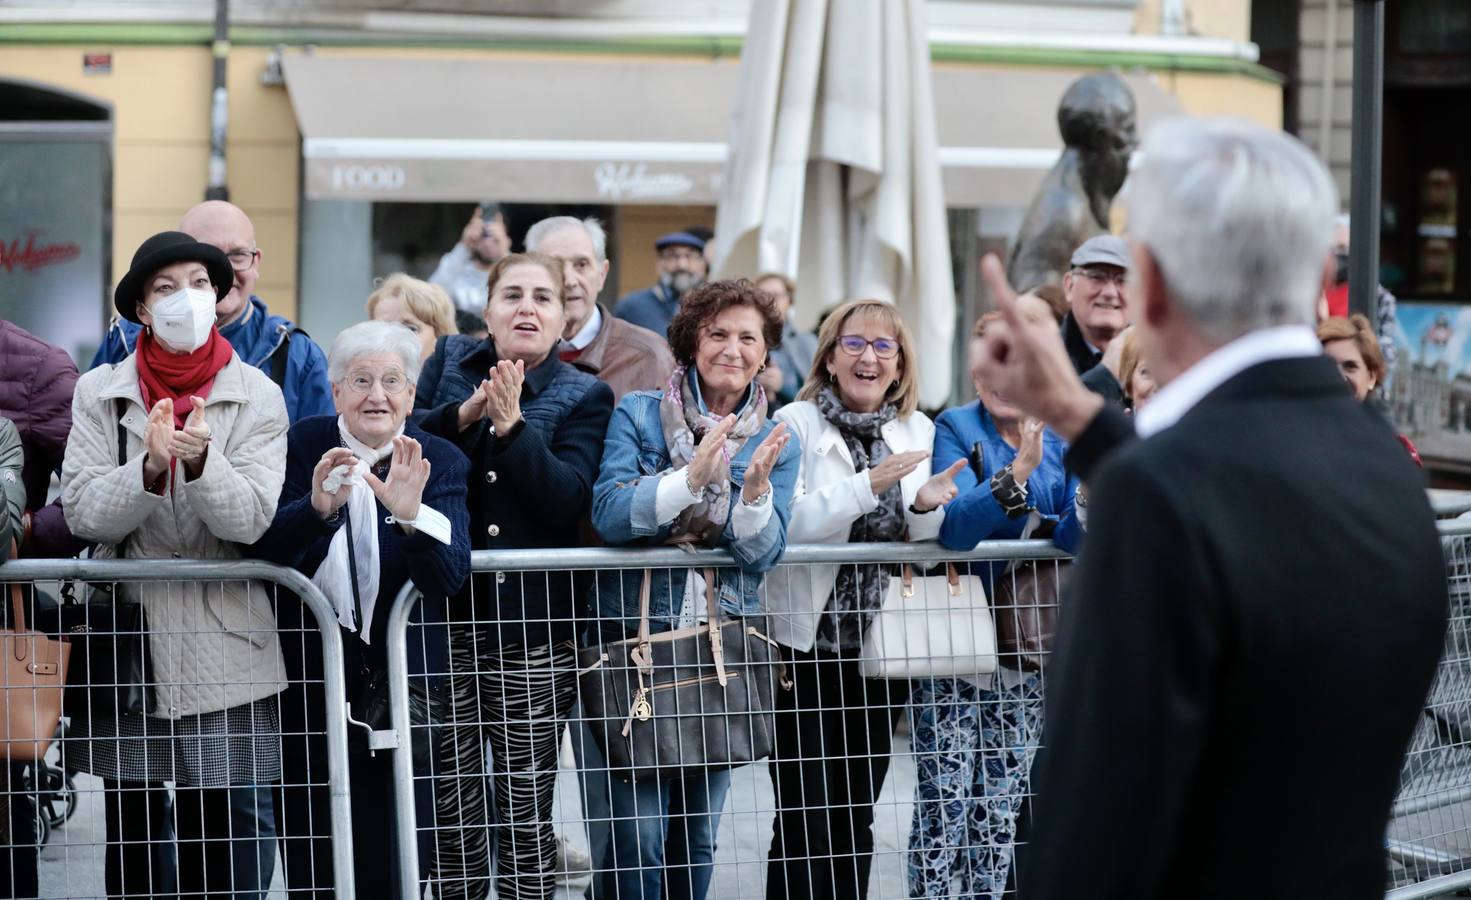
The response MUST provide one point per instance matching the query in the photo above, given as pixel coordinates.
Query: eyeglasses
(883, 348)
(362, 382)
(240, 260)
(1104, 276)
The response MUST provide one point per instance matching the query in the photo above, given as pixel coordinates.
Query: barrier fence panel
(907, 765)
(1429, 840)
(203, 729)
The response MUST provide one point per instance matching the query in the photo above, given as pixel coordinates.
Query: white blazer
(829, 497)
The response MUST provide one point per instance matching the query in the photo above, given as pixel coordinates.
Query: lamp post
(1365, 175)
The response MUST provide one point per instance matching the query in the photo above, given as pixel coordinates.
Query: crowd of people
(693, 413)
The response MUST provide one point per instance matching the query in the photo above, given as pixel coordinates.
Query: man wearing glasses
(1096, 302)
(271, 343)
(681, 266)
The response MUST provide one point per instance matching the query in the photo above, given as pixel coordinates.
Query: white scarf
(334, 575)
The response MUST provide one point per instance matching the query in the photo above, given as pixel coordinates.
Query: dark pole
(1365, 177)
(219, 109)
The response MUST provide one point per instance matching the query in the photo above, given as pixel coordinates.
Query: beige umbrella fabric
(832, 176)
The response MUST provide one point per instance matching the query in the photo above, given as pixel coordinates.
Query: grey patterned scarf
(685, 421)
(858, 591)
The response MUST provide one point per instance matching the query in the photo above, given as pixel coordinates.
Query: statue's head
(1096, 118)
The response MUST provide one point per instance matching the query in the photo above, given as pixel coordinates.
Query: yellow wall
(1207, 94)
(1210, 18)
(160, 96)
(161, 99)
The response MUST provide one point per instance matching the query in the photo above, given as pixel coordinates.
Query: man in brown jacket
(628, 358)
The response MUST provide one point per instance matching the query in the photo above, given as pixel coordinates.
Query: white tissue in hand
(340, 475)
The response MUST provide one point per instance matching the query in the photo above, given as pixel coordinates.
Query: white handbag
(931, 627)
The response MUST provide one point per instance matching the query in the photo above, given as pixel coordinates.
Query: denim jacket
(634, 458)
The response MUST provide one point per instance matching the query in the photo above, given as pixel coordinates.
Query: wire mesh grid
(598, 765)
(1430, 833)
(185, 753)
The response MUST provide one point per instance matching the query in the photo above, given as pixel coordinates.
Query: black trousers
(834, 731)
(17, 833)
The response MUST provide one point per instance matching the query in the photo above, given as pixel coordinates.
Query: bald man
(271, 343)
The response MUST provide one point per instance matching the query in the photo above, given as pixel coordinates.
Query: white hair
(373, 337)
(593, 228)
(1238, 219)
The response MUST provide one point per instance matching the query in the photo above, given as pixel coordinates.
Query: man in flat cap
(1094, 285)
(681, 266)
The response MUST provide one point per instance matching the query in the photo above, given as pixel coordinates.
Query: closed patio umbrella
(832, 176)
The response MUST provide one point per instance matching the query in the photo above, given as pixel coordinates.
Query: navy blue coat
(299, 538)
(529, 489)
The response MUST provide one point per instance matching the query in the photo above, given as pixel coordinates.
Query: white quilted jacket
(214, 644)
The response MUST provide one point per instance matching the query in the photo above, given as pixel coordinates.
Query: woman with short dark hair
(698, 462)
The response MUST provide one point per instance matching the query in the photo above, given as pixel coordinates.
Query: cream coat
(214, 644)
(829, 497)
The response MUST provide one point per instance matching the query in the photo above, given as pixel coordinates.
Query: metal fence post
(405, 817)
(1364, 180)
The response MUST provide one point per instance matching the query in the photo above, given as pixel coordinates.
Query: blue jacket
(305, 385)
(650, 308)
(623, 513)
(299, 538)
(529, 489)
(974, 515)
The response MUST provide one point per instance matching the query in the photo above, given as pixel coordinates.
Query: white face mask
(182, 320)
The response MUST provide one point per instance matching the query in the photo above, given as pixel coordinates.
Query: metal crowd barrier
(1429, 840)
(62, 792)
(746, 825)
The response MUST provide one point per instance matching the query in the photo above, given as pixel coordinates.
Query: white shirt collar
(1178, 397)
(589, 330)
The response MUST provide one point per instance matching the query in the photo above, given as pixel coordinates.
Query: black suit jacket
(1247, 641)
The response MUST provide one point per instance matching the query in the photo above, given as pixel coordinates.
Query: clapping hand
(893, 469)
(503, 395)
(190, 444)
(324, 502)
(158, 438)
(940, 489)
(407, 475)
(1029, 454)
(707, 456)
(758, 472)
(497, 398)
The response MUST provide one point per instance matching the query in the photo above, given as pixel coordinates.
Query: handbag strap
(712, 623)
(121, 409)
(17, 608)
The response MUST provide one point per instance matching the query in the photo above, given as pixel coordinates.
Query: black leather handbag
(676, 703)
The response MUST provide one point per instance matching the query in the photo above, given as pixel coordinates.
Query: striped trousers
(518, 698)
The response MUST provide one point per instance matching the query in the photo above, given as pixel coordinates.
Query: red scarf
(179, 376)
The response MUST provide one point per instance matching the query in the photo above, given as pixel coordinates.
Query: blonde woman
(864, 477)
(421, 307)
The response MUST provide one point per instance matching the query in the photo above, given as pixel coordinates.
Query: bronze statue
(1096, 118)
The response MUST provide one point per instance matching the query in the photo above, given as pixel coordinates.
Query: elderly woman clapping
(698, 461)
(177, 451)
(370, 502)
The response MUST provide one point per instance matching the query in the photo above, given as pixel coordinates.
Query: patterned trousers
(973, 752)
(518, 698)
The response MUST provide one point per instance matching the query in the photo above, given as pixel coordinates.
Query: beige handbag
(34, 680)
(931, 627)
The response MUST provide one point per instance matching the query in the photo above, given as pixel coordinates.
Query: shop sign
(377, 177)
(634, 181)
(31, 255)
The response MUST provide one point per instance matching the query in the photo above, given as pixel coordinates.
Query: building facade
(361, 133)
